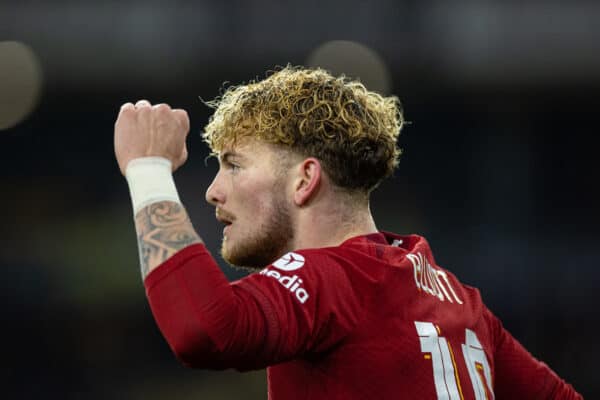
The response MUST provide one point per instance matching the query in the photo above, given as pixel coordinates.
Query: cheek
(258, 213)
(248, 206)
(253, 198)
(257, 209)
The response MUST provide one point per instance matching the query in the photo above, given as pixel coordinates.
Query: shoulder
(308, 274)
(310, 263)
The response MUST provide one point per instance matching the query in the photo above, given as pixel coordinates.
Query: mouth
(224, 218)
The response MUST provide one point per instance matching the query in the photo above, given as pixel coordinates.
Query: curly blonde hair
(349, 129)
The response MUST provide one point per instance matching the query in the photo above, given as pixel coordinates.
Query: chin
(252, 255)
(265, 241)
(246, 263)
(237, 259)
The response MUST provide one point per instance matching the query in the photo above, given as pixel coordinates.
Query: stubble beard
(270, 241)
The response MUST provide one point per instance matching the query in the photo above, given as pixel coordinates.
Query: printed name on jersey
(431, 280)
(291, 283)
(289, 262)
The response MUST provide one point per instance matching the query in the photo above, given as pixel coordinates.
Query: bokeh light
(354, 60)
(20, 82)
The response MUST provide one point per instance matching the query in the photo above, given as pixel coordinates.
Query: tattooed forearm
(163, 228)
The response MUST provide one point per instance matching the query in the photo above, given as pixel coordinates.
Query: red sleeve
(266, 318)
(520, 375)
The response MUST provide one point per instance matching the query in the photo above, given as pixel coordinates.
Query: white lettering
(291, 283)
(445, 277)
(287, 281)
(274, 274)
(301, 295)
(296, 285)
(416, 269)
(431, 280)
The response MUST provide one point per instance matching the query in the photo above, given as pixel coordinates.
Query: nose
(214, 194)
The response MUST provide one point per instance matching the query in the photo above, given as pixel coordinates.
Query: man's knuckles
(182, 118)
(127, 107)
(142, 104)
(126, 110)
(161, 108)
(144, 115)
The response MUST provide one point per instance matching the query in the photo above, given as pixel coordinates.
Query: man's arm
(520, 375)
(149, 146)
(163, 228)
(208, 322)
(196, 309)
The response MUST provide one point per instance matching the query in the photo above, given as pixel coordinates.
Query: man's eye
(232, 167)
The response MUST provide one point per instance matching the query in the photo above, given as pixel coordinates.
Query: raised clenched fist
(144, 130)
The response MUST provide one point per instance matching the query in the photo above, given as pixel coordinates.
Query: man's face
(249, 193)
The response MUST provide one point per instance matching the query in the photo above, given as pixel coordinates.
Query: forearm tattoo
(163, 228)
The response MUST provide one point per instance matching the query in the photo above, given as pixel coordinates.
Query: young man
(337, 309)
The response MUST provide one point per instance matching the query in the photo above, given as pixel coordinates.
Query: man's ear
(307, 181)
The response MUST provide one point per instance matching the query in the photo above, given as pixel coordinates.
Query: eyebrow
(228, 155)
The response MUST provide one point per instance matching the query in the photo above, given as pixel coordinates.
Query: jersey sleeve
(302, 303)
(519, 374)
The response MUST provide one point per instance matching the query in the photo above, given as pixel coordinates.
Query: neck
(330, 224)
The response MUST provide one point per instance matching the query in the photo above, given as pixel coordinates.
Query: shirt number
(445, 376)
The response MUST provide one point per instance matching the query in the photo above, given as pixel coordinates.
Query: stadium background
(500, 170)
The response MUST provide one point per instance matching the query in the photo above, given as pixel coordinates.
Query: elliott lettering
(431, 280)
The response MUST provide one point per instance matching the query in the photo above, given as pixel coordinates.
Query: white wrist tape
(150, 181)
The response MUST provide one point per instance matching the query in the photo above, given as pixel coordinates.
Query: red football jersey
(373, 318)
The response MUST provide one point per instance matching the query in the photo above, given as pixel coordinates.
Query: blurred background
(500, 167)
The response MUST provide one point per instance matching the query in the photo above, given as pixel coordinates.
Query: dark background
(500, 169)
